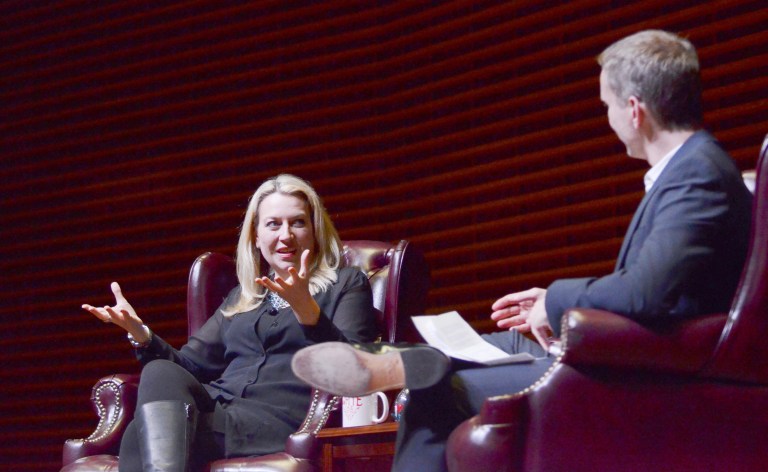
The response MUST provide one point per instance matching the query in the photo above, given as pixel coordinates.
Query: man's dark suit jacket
(685, 247)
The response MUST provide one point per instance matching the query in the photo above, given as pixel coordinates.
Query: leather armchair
(678, 396)
(399, 280)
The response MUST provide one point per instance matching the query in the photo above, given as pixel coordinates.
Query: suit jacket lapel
(638, 216)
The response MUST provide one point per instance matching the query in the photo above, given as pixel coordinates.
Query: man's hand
(539, 322)
(512, 311)
(524, 312)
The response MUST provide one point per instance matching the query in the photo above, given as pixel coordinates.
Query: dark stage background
(133, 133)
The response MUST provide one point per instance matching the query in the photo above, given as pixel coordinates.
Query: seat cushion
(99, 463)
(278, 462)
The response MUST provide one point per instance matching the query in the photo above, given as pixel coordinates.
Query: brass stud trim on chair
(323, 419)
(308, 419)
(101, 431)
(326, 413)
(558, 361)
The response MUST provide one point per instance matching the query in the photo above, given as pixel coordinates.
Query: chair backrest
(741, 352)
(398, 275)
(211, 277)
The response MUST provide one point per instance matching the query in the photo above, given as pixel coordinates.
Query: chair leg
(166, 432)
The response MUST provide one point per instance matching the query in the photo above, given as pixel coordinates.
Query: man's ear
(638, 111)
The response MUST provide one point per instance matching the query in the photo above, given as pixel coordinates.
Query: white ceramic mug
(362, 411)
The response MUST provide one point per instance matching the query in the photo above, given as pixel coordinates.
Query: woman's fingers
(118, 292)
(122, 314)
(117, 315)
(296, 277)
(98, 313)
(304, 263)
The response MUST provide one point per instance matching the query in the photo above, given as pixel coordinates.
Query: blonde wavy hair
(326, 255)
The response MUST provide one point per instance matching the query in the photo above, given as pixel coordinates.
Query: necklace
(277, 301)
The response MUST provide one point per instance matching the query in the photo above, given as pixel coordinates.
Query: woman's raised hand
(122, 314)
(295, 291)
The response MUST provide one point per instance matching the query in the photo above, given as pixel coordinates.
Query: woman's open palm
(122, 313)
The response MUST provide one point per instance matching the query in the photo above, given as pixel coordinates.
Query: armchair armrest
(113, 399)
(591, 339)
(602, 339)
(598, 338)
(303, 443)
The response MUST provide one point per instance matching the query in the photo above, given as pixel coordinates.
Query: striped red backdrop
(133, 133)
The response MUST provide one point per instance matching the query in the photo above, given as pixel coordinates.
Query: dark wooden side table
(359, 449)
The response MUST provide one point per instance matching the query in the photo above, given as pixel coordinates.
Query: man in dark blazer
(682, 255)
(685, 247)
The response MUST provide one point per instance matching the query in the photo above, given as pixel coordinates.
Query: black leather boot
(360, 369)
(166, 432)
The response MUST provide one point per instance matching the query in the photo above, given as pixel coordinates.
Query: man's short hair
(661, 69)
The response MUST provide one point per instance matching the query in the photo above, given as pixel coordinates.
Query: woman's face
(284, 231)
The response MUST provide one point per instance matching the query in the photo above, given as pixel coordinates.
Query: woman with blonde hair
(230, 390)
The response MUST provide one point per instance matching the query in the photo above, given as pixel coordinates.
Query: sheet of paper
(451, 334)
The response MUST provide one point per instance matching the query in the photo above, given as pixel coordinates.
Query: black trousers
(163, 380)
(431, 414)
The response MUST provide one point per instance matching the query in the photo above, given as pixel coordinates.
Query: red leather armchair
(399, 279)
(684, 396)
